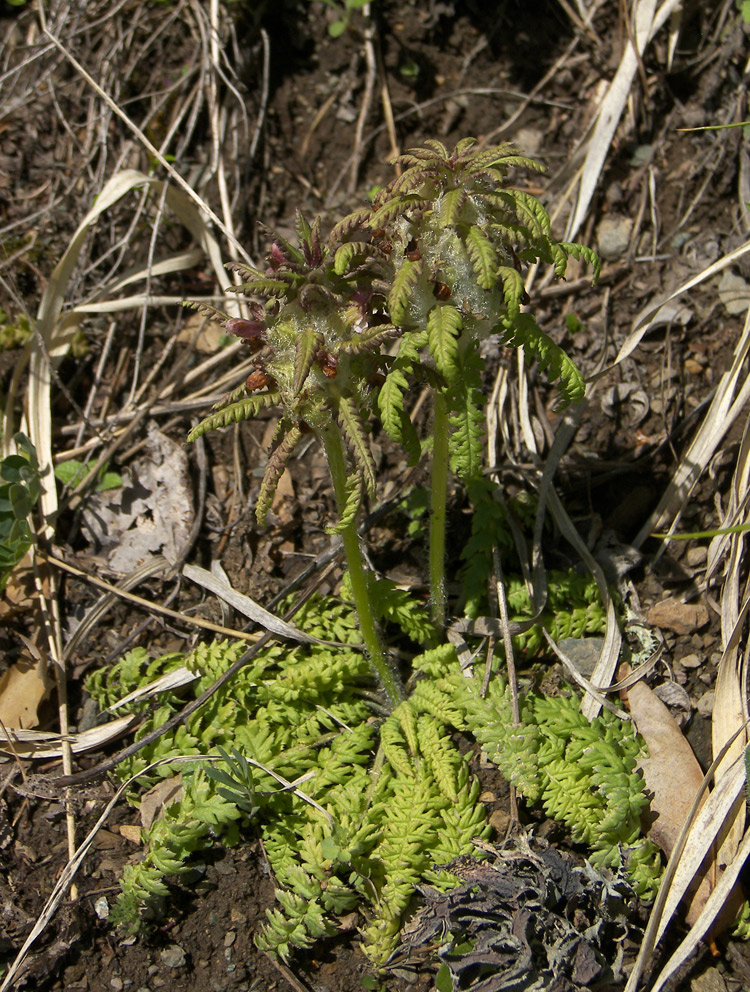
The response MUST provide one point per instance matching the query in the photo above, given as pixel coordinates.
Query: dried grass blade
(165, 683)
(711, 911)
(34, 744)
(605, 667)
(697, 836)
(665, 312)
(647, 20)
(246, 606)
(723, 411)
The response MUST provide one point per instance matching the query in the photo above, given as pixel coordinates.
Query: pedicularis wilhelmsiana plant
(401, 293)
(403, 289)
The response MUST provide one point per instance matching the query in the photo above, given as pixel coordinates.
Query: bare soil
(525, 72)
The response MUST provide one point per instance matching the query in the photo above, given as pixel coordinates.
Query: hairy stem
(438, 497)
(387, 677)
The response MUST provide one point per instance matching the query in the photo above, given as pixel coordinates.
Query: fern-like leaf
(391, 403)
(274, 469)
(524, 331)
(464, 145)
(513, 289)
(396, 421)
(306, 346)
(451, 205)
(582, 253)
(406, 716)
(482, 256)
(245, 409)
(444, 326)
(419, 155)
(393, 742)
(404, 283)
(370, 339)
(355, 489)
(346, 253)
(399, 607)
(351, 422)
(438, 147)
(262, 286)
(439, 754)
(505, 157)
(527, 209)
(397, 206)
(353, 223)
(207, 310)
(410, 180)
(466, 403)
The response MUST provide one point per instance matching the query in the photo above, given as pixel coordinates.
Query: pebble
(584, 652)
(613, 237)
(705, 705)
(116, 984)
(690, 661)
(710, 981)
(696, 556)
(173, 956)
(499, 821)
(682, 618)
(101, 908)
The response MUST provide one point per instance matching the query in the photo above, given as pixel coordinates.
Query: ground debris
(531, 920)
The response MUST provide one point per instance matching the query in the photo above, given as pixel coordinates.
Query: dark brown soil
(452, 69)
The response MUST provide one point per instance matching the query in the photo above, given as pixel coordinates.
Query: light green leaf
(444, 325)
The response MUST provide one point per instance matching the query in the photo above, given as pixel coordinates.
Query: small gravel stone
(682, 618)
(690, 661)
(613, 236)
(696, 556)
(705, 705)
(499, 821)
(710, 981)
(584, 652)
(173, 956)
(116, 984)
(101, 908)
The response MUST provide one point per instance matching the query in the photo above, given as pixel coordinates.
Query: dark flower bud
(277, 258)
(329, 364)
(258, 379)
(412, 251)
(247, 329)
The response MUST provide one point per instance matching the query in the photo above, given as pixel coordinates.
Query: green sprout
(20, 489)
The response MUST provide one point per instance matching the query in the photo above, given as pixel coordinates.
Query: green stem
(438, 499)
(387, 677)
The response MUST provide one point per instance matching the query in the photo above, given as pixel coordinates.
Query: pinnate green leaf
(444, 325)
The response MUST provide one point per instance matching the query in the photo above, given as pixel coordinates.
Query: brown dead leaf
(151, 513)
(23, 688)
(672, 775)
(19, 594)
(205, 335)
(156, 800)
